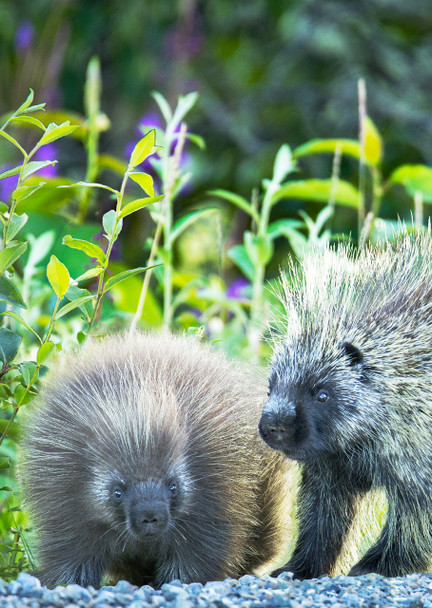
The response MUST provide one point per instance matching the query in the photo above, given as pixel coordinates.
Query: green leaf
(17, 318)
(373, 143)
(186, 221)
(11, 140)
(10, 172)
(23, 107)
(239, 256)
(184, 105)
(144, 180)
(283, 164)
(74, 304)
(283, 228)
(142, 149)
(36, 165)
(29, 120)
(258, 248)
(10, 254)
(75, 293)
(14, 433)
(54, 131)
(23, 395)
(122, 276)
(4, 460)
(320, 190)
(58, 276)
(163, 106)
(238, 201)
(89, 274)
(3, 209)
(44, 352)
(16, 223)
(9, 344)
(414, 178)
(92, 250)
(139, 203)
(350, 147)
(92, 185)
(197, 140)
(28, 370)
(9, 293)
(23, 192)
(110, 223)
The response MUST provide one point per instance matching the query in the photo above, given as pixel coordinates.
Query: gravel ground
(413, 591)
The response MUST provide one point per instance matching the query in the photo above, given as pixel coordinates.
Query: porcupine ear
(355, 356)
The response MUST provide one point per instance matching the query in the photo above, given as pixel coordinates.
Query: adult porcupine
(142, 460)
(350, 398)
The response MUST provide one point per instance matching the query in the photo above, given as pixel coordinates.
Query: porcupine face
(141, 511)
(313, 407)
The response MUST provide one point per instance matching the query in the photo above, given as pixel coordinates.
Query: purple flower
(238, 289)
(7, 185)
(24, 37)
(48, 152)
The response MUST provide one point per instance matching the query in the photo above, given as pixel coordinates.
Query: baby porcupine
(142, 461)
(350, 398)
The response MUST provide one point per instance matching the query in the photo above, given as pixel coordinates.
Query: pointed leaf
(122, 276)
(44, 352)
(16, 223)
(9, 344)
(17, 318)
(184, 105)
(163, 106)
(139, 204)
(143, 149)
(26, 103)
(10, 172)
(283, 228)
(350, 147)
(54, 131)
(89, 274)
(92, 185)
(240, 257)
(320, 190)
(373, 143)
(145, 181)
(36, 165)
(24, 191)
(91, 249)
(238, 201)
(29, 120)
(283, 164)
(72, 305)
(58, 276)
(10, 254)
(9, 293)
(74, 294)
(11, 140)
(28, 371)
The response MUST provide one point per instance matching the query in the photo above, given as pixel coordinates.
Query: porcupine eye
(322, 396)
(173, 489)
(118, 494)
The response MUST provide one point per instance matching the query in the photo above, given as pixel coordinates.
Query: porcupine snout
(148, 510)
(277, 424)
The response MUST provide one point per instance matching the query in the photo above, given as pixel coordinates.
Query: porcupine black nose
(276, 429)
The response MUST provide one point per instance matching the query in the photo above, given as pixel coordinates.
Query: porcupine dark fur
(142, 461)
(350, 399)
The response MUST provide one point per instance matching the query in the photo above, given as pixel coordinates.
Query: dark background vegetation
(268, 72)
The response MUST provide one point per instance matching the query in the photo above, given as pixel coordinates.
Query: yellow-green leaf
(92, 250)
(373, 143)
(143, 149)
(145, 181)
(54, 132)
(58, 276)
(139, 204)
